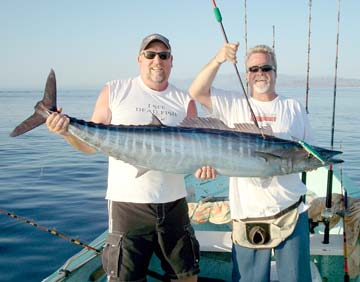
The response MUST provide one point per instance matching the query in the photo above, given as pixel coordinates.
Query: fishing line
(219, 19)
(51, 231)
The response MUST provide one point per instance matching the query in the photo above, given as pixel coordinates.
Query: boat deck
(215, 243)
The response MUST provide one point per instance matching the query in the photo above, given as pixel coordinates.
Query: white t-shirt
(254, 196)
(133, 103)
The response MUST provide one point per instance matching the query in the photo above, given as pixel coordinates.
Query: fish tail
(42, 109)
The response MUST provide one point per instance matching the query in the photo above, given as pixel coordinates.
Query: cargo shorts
(136, 231)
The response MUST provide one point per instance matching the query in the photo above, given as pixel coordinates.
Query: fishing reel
(326, 215)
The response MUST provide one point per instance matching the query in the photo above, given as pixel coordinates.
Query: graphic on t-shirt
(159, 111)
(266, 117)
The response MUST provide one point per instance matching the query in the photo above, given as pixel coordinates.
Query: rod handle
(217, 14)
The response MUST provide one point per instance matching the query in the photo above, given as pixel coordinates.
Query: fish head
(307, 161)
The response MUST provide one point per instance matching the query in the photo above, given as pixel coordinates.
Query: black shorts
(136, 231)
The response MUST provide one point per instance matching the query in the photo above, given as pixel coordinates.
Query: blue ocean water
(45, 180)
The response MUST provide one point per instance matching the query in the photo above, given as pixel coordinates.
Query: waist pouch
(266, 232)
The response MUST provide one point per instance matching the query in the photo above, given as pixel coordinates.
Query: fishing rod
(308, 61)
(346, 265)
(273, 45)
(330, 170)
(153, 274)
(246, 43)
(219, 19)
(51, 231)
(344, 213)
(303, 174)
(306, 146)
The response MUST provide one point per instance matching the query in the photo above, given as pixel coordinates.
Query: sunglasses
(163, 55)
(264, 68)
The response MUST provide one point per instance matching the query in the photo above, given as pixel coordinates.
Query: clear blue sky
(90, 42)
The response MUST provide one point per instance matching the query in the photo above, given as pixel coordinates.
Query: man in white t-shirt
(147, 214)
(260, 197)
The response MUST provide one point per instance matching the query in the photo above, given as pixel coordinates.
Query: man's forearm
(200, 88)
(79, 145)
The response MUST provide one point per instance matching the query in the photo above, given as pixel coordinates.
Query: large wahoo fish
(183, 149)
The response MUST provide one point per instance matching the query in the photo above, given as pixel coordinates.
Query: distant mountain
(316, 81)
(230, 82)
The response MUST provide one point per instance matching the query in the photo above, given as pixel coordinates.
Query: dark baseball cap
(154, 37)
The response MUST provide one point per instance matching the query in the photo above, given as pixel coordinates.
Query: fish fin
(49, 99)
(252, 128)
(192, 110)
(267, 156)
(155, 121)
(214, 123)
(42, 108)
(199, 122)
(141, 171)
(336, 161)
(31, 122)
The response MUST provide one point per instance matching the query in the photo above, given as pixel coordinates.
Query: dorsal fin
(215, 123)
(141, 171)
(252, 128)
(198, 122)
(191, 110)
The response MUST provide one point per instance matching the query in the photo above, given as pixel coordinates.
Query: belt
(275, 216)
